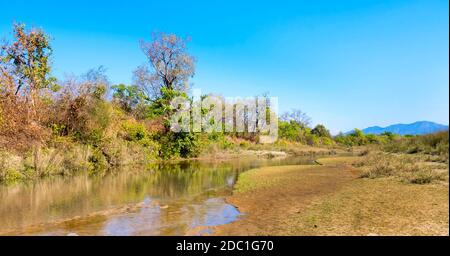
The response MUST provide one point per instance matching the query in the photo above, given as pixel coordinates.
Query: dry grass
(331, 200)
(415, 169)
(269, 196)
(293, 148)
(345, 160)
(377, 207)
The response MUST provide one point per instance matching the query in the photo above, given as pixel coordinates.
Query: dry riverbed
(331, 199)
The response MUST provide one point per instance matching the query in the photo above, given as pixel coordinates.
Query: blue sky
(346, 63)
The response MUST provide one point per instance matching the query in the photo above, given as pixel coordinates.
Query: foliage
(128, 97)
(292, 130)
(19, 128)
(435, 144)
(26, 60)
(321, 131)
(81, 109)
(179, 145)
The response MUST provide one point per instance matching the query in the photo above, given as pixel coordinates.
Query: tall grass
(408, 168)
(435, 144)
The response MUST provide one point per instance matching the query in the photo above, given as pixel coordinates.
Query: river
(179, 198)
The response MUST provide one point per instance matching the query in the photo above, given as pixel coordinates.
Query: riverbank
(70, 160)
(332, 199)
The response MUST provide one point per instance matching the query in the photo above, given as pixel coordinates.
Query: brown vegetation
(331, 200)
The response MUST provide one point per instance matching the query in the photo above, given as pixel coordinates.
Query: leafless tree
(297, 116)
(170, 66)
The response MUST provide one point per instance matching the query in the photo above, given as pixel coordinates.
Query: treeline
(52, 127)
(84, 123)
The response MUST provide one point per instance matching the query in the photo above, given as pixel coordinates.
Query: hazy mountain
(417, 128)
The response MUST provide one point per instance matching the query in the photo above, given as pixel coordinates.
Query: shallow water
(165, 199)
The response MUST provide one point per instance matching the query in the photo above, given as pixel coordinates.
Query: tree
(170, 66)
(127, 96)
(298, 116)
(24, 73)
(291, 130)
(81, 108)
(321, 131)
(358, 137)
(26, 61)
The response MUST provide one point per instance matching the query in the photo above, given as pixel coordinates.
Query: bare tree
(147, 83)
(298, 116)
(170, 65)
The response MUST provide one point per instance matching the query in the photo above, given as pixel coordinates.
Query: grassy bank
(337, 198)
(269, 196)
(67, 157)
(376, 207)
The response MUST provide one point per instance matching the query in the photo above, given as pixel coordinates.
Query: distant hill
(417, 128)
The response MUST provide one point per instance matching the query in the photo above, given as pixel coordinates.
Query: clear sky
(346, 63)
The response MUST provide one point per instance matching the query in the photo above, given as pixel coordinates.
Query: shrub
(81, 109)
(431, 144)
(19, 126)
(98, 118)
(179, 145)
(327, 141)
(45, 161)
(98, 161)
(219, 139)
(134, 131)
(423, 176)
(321, 131)
(312, 140)
(10, 166)
(381, 168)
(408, 168)
(292, 130)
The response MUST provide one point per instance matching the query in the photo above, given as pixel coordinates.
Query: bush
(219, 139)
(134, 131)
(19, 126)
(121, 153)
(292, 130)
(380, 167)
(81, 109)
(326, 141)
(98, 119)
(432, 144)
(98, 161)
(408, 168)
(10, 166)
(312, 140)
(179, 145)
(76, 159)
(423, 176)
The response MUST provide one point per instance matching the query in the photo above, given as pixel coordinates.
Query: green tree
(128, 97)
(27, 60)
(358, 138)
(321, 131)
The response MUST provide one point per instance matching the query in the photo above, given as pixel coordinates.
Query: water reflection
(165, 199)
